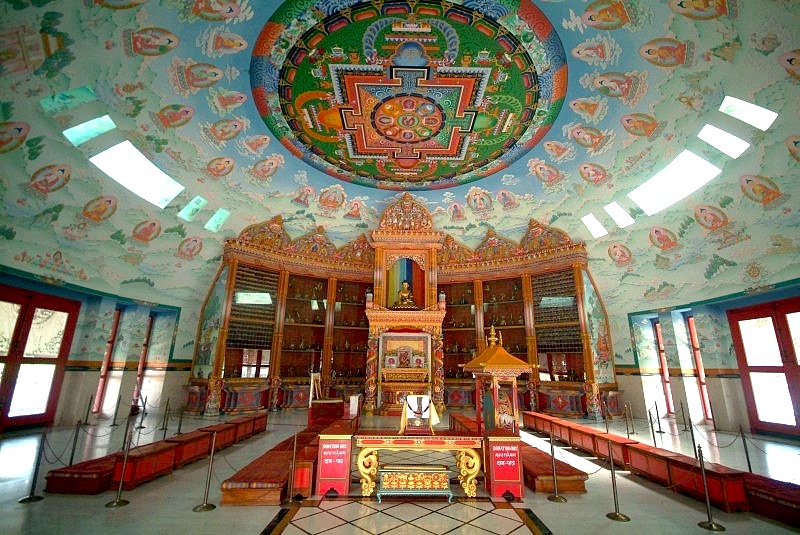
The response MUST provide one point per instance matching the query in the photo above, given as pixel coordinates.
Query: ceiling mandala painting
(409, 95)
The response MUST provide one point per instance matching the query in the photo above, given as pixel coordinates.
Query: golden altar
(465, 448)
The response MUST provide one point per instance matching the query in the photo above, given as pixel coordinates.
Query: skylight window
(683, 176)
(723, 141)
(620, 216)
(594, 225)
(192, 208)
(751, 114)
(129, 167)
(80, 134)
(217, 220)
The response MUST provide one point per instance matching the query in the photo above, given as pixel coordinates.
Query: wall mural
(493, 112)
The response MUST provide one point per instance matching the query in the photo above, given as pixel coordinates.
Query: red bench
(651, 462)
(226, 434)
(244, 428)
(773, 499)
(261, 482)
(619, 448)
(87, 477)
(538, 421)
(537, 472)
(190, 447)
(725, 485)
(583, 438)
(260, 422)
(144, 463)
(462, 424)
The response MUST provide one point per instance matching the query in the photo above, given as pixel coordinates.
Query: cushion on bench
(261, 482)
(537, 472)
(87, 477)
(778, 500)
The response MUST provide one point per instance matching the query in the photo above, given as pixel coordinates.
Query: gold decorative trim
(468, 460)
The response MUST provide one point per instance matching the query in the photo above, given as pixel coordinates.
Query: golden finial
(491, 340)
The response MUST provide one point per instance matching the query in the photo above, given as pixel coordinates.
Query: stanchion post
(683, 414)
(555, 497)
(32, 497)
(605, 414)
(180, 422)
(746, 452)
(694, 444)
(615, 515)
(652, 429)
(205, 506)
(116, 411)
(118, 501)
(166, 416)
(291, 470)
(127, 428)
(627, 426)
(630, 413)
(658, 419)
(74, 442)
(144, 412)
(88, 410)
(709, 524)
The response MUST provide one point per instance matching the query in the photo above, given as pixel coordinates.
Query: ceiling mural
(409, 95)
(491, 113)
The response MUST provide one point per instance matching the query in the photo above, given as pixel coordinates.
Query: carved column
(438, 369)
(371, 385)
(592, 393)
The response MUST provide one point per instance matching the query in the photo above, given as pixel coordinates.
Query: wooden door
(35, 337)
(767, 343)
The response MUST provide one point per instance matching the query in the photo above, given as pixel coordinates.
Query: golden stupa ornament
(492, 339)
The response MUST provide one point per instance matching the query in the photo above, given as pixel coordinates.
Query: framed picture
(405, 350)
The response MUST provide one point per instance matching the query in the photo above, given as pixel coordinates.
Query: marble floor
(165, 505)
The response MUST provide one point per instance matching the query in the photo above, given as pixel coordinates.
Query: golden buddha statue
(405, 297)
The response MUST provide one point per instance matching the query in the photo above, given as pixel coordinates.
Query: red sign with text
(333, 466)
(505, 469)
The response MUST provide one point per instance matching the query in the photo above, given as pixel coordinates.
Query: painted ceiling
(490, 112)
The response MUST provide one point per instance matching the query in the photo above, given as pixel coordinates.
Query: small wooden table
(416, 479)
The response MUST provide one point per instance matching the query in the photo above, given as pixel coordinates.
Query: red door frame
(29, 301)
(777, 311)
(663, 367)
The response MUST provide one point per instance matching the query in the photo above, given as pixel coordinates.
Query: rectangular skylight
(125, 164)
(594, 225)
(252, 298)
(723, 141)
(80, 134)
(751, 114)
(684, 175)
(620, 216)
(192, 208)
(217, 220)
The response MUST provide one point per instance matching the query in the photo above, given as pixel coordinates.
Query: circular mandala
(409, 95)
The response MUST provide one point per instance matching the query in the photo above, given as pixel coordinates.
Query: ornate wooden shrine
(405, 338)
(399, 312)
(496, 408)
